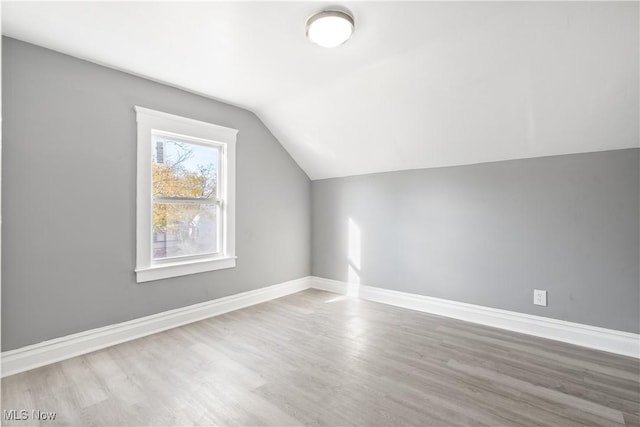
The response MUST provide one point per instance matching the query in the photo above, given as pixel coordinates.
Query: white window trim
(148, 121)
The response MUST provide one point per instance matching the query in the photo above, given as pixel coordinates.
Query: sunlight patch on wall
(354, 257)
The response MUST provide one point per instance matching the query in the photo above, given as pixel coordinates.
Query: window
(186, 196)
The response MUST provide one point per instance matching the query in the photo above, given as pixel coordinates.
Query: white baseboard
(55, 350)
(610, 340)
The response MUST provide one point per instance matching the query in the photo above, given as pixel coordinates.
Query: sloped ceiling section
(420, 84)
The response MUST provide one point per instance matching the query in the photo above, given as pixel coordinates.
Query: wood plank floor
(319, 359)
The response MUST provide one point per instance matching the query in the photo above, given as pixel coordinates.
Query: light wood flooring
(316, 358)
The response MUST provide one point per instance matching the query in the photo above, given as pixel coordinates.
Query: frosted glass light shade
(330, 28)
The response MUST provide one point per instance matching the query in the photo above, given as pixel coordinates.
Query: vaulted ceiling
(420, 84)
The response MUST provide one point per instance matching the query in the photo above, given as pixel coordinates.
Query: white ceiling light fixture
(330, 28)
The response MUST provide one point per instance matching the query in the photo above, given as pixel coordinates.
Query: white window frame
(149, 121)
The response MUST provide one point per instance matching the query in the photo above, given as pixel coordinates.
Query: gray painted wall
(489, 234)
(68, 207)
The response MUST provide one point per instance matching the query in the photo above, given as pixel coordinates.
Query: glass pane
(184, 230)
(183, 169)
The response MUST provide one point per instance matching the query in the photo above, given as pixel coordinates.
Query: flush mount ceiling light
(330, 28)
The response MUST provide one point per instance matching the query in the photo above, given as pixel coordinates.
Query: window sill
(166, 270)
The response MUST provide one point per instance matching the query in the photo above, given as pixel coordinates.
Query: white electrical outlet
(540, 297)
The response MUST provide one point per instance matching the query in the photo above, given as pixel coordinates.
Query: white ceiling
(420, 84)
